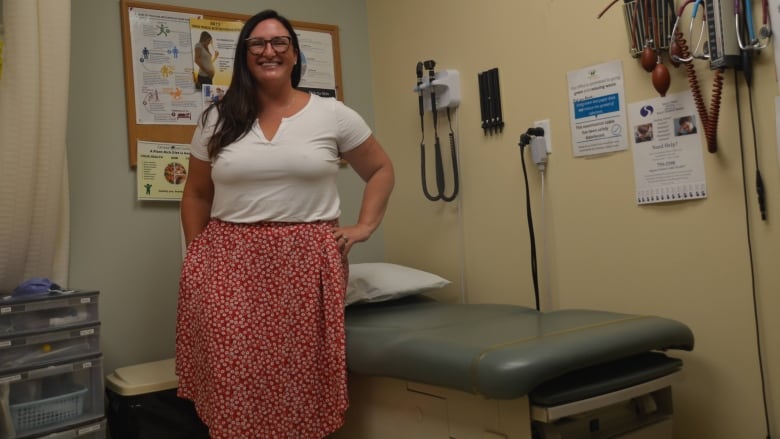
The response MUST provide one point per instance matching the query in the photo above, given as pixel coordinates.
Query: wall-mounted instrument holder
(648, 24)
(446, 88)
(490, 102)
(437, 91)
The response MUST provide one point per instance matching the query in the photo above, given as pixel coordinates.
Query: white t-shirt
(290, 178)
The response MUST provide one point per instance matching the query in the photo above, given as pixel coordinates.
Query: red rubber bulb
(661, 78)
(648, 59)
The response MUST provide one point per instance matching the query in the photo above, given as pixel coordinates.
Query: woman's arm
(373, 165)
(197, 198)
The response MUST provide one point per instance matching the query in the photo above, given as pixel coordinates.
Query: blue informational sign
(596, 106)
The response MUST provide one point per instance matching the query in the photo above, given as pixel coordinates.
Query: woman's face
(270, 65)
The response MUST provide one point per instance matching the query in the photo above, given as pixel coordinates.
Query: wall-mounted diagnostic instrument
(437, 91)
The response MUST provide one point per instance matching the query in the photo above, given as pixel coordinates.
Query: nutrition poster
(162, 170)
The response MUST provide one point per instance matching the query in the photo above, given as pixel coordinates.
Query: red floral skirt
(260, 330)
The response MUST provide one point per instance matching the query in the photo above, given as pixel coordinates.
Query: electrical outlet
(545, 124)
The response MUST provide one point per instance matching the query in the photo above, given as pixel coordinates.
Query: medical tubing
(748, 19)
(454, 156)
(423, 178)
(708, 119)
(711, 128)
(656, 32)
(438, 162)
(747, 71)
(437, 157)
(692, 80)
(754, 288)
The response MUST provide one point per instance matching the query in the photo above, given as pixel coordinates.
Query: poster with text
(318, 74)
(667, 148)
(597, 104)
(162, 67)
(213, 48)
(161, 170)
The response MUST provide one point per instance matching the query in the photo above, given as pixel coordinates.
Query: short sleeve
(200, 139)
(353, 129)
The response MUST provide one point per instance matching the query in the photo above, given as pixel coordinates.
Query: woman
(260, 331)
(205, 60)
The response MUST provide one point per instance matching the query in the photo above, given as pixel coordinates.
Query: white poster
(597, 109)
(318, 73)
(667, 145)
(162, 67)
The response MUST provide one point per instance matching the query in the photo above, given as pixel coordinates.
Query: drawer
(51, 398)
(47, 312)
(90, 430)
(34, 350)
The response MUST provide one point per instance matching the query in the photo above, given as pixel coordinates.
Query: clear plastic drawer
(45, 312)
(48, 399)
(90, 430)
(29, 351)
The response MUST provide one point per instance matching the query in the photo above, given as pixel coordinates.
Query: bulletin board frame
(183, 133)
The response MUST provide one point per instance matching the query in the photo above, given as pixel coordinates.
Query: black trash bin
(142, 404)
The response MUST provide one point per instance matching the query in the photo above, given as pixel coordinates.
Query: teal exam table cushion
(498, 351)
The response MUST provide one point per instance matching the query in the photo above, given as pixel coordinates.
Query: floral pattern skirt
(260, 344)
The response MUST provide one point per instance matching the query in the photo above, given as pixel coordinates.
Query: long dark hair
(238, 109)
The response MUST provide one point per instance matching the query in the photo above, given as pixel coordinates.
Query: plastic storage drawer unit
(28, 351)
(46, 312)
(142, 404)
(90, 430)
(38, 400)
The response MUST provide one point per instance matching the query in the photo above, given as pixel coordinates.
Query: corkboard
(183, 133)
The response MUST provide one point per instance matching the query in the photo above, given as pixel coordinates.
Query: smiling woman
(260, 329)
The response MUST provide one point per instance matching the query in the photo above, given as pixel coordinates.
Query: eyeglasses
(256, 46)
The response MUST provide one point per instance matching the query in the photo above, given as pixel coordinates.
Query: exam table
(425, 369)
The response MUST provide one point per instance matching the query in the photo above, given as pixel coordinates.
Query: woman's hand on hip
(346, 237)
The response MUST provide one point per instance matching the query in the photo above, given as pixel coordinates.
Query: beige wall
(130, 250)
(689, 261)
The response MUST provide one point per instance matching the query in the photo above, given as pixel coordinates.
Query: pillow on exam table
(381, 281)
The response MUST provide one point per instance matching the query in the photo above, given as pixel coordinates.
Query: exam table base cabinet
(648, 416)
(388, 408)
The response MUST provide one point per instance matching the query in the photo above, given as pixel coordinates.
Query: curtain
(34, 216)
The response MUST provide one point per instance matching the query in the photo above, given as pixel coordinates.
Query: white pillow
(381, 281)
